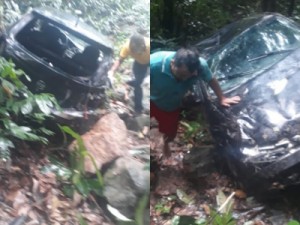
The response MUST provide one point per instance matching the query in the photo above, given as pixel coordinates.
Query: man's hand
(230, 101)
(214, 84)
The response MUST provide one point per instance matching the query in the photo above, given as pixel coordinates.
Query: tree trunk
(291, 7)
(168, 14)
(268, 5)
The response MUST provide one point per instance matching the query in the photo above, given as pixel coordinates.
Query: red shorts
(167, 121)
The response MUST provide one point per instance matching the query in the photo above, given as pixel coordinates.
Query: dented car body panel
(260, 136)
(61, 55)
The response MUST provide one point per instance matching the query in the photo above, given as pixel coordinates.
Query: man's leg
(167, 124)
(140, 72)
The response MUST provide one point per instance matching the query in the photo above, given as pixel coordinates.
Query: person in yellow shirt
(137, 47)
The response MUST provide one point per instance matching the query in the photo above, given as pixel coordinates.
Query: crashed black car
(257, 58)
(62, 55)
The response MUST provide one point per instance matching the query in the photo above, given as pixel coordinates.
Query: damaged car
(62, 55)
(258, 59)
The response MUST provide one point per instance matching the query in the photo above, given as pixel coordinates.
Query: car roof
(73, 24)
(222, 36)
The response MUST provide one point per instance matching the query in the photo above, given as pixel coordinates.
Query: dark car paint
(260, 136)
(74, 25)
(54, 79)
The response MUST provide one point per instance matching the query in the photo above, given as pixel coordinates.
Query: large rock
(106, 141)
(126, 182)
(137, 123)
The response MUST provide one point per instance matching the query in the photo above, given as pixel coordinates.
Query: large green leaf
(44, 103)
(81, 184)
(22, 132)
(46, 131)
(5, 143)
(4, 112)
(26, 108)
(14, 106)
(68, 190)
(9, 87)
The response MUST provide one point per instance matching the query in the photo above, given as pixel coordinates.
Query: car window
(224, 35)
(60, 48)
(256, 49)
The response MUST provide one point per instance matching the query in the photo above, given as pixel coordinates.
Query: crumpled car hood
(263, 130)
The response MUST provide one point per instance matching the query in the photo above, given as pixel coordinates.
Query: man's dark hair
(137, 42)
(188, 57)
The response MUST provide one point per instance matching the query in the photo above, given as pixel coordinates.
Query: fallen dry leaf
(11, 195)
(240, 194)
(92, 218)
(259, 222)
(54, 203)
(77, 198)
(24, 209)
(206, 209)
(33, 215)
(35, 189)
(187, 210)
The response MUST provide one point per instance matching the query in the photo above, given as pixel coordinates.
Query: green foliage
(293, 222)
(223, 216)
(193, 20)
(165, 204)
(218, 219)
(58, 168)
(79, 180)
(187, 220)
(163, 208)
(194, 130)
(82, 220)
(109, 16)
(22, 113)
(140, 210)
(222, 219)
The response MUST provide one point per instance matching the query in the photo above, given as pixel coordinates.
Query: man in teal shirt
(172, 75)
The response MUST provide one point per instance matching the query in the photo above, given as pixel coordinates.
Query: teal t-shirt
(165, 91)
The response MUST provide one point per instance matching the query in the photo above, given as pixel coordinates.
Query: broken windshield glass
(270, 53)
(258, 48)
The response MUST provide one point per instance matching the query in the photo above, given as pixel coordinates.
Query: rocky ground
(31, 190)
(32, 184)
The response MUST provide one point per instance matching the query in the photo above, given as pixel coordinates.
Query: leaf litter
(29, 195)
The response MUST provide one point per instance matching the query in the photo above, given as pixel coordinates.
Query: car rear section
(73, 67)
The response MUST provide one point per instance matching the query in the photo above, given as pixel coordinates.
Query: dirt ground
(32, 189)
(31, 194)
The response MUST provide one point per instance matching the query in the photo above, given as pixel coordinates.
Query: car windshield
(254, 50)
(60, 48)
